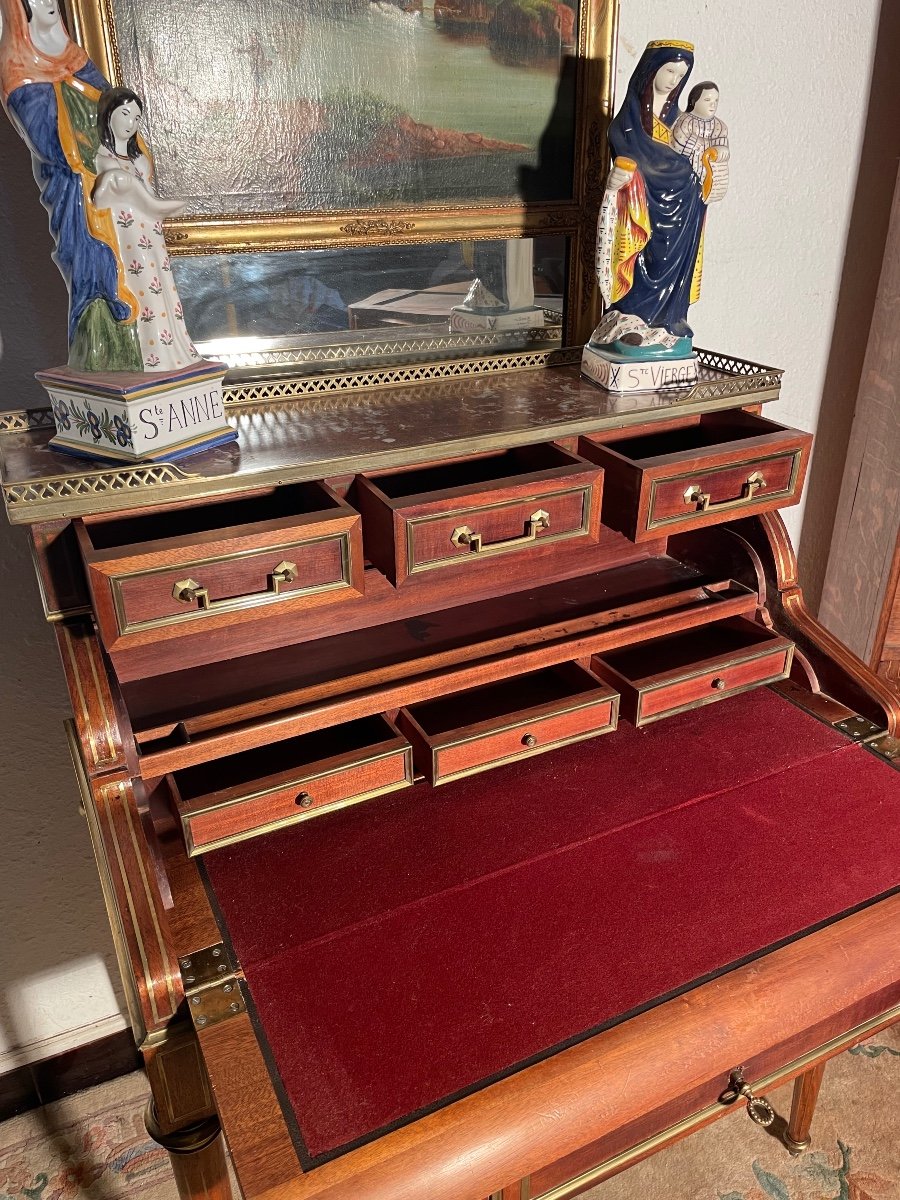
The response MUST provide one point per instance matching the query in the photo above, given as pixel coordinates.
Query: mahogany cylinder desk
(468, 782)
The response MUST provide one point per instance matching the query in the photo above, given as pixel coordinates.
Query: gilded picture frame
(114, 34)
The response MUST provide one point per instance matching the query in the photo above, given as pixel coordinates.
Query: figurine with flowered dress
(134, 386)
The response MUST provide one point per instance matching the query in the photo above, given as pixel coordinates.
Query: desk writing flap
(445, 941)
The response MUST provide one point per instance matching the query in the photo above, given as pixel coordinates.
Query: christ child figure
(703, 137)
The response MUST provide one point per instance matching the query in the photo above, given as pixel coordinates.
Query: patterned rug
(94, 1146)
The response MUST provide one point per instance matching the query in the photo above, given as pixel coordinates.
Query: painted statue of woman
(651, 222)
(51, 91)
(124, 188)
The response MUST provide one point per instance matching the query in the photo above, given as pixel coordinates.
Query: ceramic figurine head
(45, 27)
(34, 46)
(669, 76)
(119, 115)
(703, 99)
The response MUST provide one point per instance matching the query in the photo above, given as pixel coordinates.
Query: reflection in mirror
(376, 303)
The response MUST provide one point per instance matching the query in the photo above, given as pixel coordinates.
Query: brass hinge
(886, 747)
(213, 989)
(859, 728)
(873, 737)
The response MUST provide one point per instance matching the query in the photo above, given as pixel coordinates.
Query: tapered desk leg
(806, 1092)
(197, 1155)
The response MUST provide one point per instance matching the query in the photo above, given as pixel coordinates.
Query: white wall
(794, 83)
(794, 91)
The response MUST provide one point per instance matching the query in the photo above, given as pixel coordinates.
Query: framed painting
(348, 164)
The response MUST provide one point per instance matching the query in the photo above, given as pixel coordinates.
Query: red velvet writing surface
(441, 938)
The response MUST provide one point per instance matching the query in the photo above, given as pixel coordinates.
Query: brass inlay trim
(718, 695)
(236, 603)
(96, 491)
(138, 845)
(129, 899)
(539, 499)
(123, 957)
(723, 506)
(526, 751)
(89, 726)
(648, 1146)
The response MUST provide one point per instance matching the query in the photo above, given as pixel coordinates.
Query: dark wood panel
(860, 597)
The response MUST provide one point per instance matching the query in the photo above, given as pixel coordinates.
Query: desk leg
(803, 1105)
(197, 1155)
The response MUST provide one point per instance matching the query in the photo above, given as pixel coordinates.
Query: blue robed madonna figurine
(134, 386)
(650, 233)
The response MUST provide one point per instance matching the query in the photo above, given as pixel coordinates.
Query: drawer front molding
(780, 659)
(263, 598)
(540, 502)
(401, 757)
(599, 716)
(740, 504)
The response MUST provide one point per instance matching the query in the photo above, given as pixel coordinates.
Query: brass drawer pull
(529, 740)
(188, 591)
(719, 684)
(463, 535)
(703, 501)
(758, 1108)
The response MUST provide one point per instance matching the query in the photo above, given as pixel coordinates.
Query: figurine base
(463, 320)
(124, 416)
(637, 376)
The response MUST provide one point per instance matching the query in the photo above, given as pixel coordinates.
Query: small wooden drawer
(521, 501)
(716, 468)
(161, 574)
(666, 675)
(482, 727)
(246, 794)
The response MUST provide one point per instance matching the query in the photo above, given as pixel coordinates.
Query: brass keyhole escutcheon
(529, 740)
(304, 800)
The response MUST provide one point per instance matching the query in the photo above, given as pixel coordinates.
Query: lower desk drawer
(259, 790)
(480, 728)
(684, 670)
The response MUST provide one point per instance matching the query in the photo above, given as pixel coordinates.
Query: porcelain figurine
(502, 295)
(126, 328)
(650, 231)
(124, 190)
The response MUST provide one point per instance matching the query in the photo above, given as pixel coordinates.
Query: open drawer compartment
(241, 795)
(667, 675)
(523, 501)
(160, 574)
(720, 466)
(482, 727)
